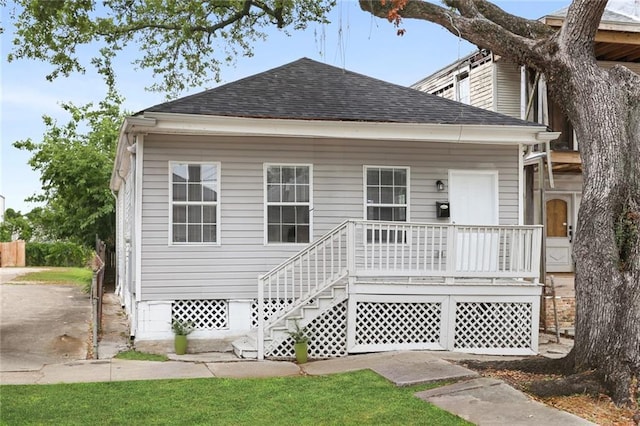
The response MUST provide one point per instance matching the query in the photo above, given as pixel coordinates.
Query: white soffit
(166, 123)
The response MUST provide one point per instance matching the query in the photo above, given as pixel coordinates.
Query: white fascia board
(447, 133)
(121, 164)
(116, 172)
(548, 136)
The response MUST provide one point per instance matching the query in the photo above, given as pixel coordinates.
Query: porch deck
(373, 286)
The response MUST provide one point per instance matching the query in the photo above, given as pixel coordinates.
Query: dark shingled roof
(310, 90)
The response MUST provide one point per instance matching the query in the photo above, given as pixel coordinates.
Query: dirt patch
(68, 346)
(42, 324)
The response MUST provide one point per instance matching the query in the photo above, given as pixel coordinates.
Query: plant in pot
(181, 329)
(300, 342)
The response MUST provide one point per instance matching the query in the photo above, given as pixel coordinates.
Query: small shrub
(59, 253)
(181, 328)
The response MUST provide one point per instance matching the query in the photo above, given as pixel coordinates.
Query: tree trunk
(605, 109)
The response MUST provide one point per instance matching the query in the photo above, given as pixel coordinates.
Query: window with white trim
(387, 192)
(288, 203)
(195, 206)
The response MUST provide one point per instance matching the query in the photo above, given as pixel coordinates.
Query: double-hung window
(195, 209)
(387, 198)
(288, 203)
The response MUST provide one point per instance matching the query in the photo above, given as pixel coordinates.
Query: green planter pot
(180, 344)
(301, 350)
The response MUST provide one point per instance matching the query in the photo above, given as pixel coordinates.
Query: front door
(559, 232)
(473, 197)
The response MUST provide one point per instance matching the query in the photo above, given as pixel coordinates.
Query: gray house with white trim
(379, 216)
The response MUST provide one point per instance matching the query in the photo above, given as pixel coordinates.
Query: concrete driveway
(41, 324)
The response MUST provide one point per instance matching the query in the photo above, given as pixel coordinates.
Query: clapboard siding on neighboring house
(230, 270)
(441, 85)
(571, 182)
(481, 86)
(507, 88)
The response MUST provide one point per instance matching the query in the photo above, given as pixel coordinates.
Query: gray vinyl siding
(481, 86)
(507, 88)
(231, 269)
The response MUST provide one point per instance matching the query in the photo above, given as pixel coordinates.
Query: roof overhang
(614, 41)
(191, 124)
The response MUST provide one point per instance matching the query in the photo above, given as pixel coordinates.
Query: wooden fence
(12, 254)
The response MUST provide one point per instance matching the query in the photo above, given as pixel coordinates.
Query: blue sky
(354, 40)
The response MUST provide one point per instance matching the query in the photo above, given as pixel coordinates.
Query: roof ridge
(306, 89)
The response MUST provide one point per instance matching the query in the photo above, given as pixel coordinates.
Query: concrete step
(245, 347)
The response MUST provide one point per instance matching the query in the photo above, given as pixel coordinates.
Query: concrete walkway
(479, 400)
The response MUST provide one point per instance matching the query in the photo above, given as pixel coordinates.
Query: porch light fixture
(439, 185)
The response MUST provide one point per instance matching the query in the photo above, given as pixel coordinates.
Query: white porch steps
(247, 346)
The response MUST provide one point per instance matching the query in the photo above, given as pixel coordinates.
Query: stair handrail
(316, 289)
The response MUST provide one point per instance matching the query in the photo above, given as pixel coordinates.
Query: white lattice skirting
(202, 314)
(328, 336)
(382, 323)
(475, 324)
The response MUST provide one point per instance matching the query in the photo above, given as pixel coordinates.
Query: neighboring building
(312, 193)
(487, 81)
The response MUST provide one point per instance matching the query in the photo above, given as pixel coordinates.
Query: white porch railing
(296, 281)
(373, 249)
(443, 250)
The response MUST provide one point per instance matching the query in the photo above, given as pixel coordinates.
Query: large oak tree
(184, 42)
(604, 108)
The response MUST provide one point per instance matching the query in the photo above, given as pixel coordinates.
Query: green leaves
(15, 225)
(75, 161)
(184, 42)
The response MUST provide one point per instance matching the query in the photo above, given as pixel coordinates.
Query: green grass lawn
(356, 398)
(76, 276)
(141, 356)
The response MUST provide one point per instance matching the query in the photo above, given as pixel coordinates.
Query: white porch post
(536, 252)
(260, 338)
(452, 236)
(351, 248)
(351, 273)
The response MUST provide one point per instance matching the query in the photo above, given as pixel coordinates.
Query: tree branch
(515, 24)
(245, 11)
(472, 25)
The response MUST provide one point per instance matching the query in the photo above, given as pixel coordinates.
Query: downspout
(117, 270)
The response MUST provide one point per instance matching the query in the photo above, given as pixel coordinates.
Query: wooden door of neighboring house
(559, 231)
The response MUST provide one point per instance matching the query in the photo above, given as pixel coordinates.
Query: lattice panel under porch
(328, 336)
(382, 323)
(202, 314)
(493, 325)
